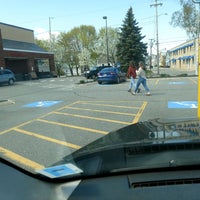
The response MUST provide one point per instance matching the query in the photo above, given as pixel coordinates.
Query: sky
(64, 15)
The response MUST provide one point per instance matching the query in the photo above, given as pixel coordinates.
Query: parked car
(94, 71)
(111, 75)
(7, 77)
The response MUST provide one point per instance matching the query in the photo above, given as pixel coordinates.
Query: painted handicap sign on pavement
(182, 104)
(42, 104)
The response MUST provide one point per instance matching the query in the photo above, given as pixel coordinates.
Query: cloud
(43, 34)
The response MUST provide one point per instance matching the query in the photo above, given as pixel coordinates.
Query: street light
(105, 17)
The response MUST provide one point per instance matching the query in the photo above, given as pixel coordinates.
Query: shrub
(164, 75)
(182, 75)
(82, 81)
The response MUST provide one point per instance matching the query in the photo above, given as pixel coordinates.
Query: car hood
(151, 131)
(135, 147)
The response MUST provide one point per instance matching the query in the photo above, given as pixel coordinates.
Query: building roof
(11, 45)
(182, 46)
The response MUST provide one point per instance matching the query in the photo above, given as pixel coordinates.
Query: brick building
(19, 53)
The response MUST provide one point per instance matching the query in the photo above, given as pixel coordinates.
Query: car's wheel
(11, 82)
(99, 82)
(118, 80)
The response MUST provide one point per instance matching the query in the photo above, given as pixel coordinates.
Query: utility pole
(150, 57)
(156, 4)
(50, 38)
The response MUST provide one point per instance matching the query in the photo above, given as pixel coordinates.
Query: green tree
(75, 42)
(186, 18)
(65, 41)
(84, 59)
(130, 46)
(43, 44)
(101, 46)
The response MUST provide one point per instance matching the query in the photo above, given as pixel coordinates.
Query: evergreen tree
(130, 46)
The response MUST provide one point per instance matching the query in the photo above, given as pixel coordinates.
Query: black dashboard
(165, 185)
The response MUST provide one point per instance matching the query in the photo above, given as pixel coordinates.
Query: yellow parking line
(10, 129)
(73, 126)
(20, 159)
(47, 138)
(36, 166)
(194, 81)
(138, 115)
(108, 105)
(103, 111)
(64, 107)
(6, 131)
(94, 118)
(157, 81)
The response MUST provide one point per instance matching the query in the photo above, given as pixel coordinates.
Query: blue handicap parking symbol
(60, 170)
(182, 104)
(41, 104)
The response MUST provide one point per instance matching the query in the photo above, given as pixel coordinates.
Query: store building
(19, 53)
(183, 56)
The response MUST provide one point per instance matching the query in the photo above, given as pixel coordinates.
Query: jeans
(132, 83)
(144, 83)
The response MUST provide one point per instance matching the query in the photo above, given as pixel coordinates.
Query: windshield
(57, 122)
(93, 68)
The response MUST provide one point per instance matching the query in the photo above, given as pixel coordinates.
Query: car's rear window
(110, 69)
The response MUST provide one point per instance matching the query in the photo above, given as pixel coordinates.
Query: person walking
(141, 79)
(131, 73)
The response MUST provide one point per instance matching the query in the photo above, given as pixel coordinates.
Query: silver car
(7, 77)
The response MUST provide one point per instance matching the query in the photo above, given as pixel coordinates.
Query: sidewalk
(174, 72)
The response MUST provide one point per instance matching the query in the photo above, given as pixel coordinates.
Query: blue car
(7, 77)
(111, 75)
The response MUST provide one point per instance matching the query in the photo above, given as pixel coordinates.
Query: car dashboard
(173, 185)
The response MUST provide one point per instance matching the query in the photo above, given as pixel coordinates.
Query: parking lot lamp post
(105, 17)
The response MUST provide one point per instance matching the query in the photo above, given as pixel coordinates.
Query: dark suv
(7, 77)
(94, 71)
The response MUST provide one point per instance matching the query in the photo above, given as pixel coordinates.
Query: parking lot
(63, 116)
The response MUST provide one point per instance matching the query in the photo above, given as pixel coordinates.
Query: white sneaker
(133, 93)
(148, 93)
